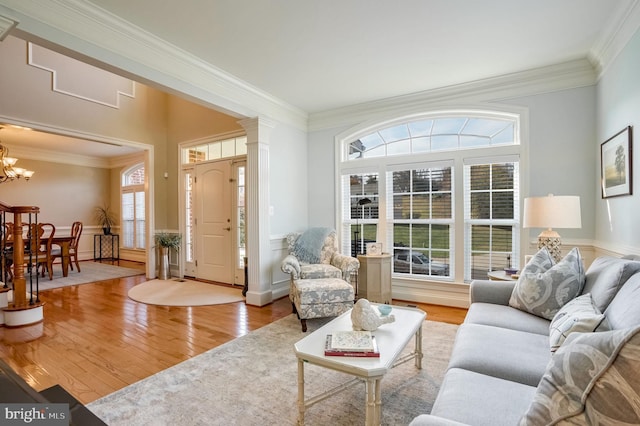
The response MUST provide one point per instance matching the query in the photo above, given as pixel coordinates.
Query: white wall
(288, 180)
(617, 227)
(561, 135)
(322, 182)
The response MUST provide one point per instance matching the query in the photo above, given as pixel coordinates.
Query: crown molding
(126, 160)
(566, 75)
(57, 157)
(615, 36)
(54, 156)
(108, 41)
(6, 25)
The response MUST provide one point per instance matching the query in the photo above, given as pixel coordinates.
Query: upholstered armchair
(316, 256)
(320, 283)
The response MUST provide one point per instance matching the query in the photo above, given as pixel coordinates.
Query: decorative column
(258, 226)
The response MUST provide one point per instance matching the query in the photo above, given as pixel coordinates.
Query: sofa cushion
(473, 398)
(592, 379)
(578, 315)
(623, 310)
(499, 352)
(543, 293)
(605, 277)
(506, 317)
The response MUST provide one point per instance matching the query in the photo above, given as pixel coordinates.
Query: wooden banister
(19, 281)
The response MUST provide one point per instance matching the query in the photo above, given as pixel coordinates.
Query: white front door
(214, 242)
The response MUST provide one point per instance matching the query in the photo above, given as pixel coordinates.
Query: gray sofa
(502, 371)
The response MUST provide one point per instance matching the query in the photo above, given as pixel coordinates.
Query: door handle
(227, 229)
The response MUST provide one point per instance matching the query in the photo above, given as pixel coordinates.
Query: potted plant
(166, 241)
(105, 217)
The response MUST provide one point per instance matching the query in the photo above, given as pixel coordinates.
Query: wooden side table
(374, 278)
(501, 276)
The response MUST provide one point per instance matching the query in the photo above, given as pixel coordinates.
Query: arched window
(133, 211)
(438, 190)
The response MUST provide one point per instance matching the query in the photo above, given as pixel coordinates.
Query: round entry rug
(184, 293)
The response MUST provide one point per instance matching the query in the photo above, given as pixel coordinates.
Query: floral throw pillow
(542, 292)
(579, 315)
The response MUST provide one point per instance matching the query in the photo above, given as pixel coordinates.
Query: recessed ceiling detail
(74, 78)
(6, 25)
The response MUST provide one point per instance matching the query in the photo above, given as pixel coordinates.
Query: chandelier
(9, 171)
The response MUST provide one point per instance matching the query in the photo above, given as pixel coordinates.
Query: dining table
(64, 242)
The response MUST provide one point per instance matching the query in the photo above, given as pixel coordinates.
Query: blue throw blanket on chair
(308, 246)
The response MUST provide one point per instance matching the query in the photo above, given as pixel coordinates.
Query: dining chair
(43, 242)
(7, 247)
(37, 248)
(76, 232)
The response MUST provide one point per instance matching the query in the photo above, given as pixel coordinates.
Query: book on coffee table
(360, 341)
(361, 349)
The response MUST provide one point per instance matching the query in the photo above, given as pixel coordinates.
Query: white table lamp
(549, 212)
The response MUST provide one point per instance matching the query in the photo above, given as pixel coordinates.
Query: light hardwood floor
(95, 340)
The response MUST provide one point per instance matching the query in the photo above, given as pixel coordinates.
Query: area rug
(90, 272)
(252, 380)
(184, 293)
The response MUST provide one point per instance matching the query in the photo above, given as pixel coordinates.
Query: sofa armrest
(347, 264)
(429, 420)
(291, 265)
(487, 291)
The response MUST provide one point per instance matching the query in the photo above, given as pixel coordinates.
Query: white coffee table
(392, 339)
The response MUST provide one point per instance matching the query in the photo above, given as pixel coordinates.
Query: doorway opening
(213, 209)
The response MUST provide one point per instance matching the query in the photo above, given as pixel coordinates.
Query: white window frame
(383, 164)
(133, 189)
(494, 262)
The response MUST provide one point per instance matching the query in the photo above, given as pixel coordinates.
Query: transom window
(407, 172)
(231, 147)
(434, 134)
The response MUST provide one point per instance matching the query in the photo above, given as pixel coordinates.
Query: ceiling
(320, 55)
(28, 141)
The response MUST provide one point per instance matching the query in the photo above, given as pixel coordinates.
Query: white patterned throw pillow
(579, 315)
(542, 261)
(592, 379)
(543, 288)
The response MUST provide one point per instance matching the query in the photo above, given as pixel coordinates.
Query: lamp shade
(562, 211)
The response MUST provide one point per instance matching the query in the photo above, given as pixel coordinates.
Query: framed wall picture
(615, 164)
(374, 249)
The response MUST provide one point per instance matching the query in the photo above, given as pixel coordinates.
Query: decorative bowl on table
(384, 309)
(510, 271)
